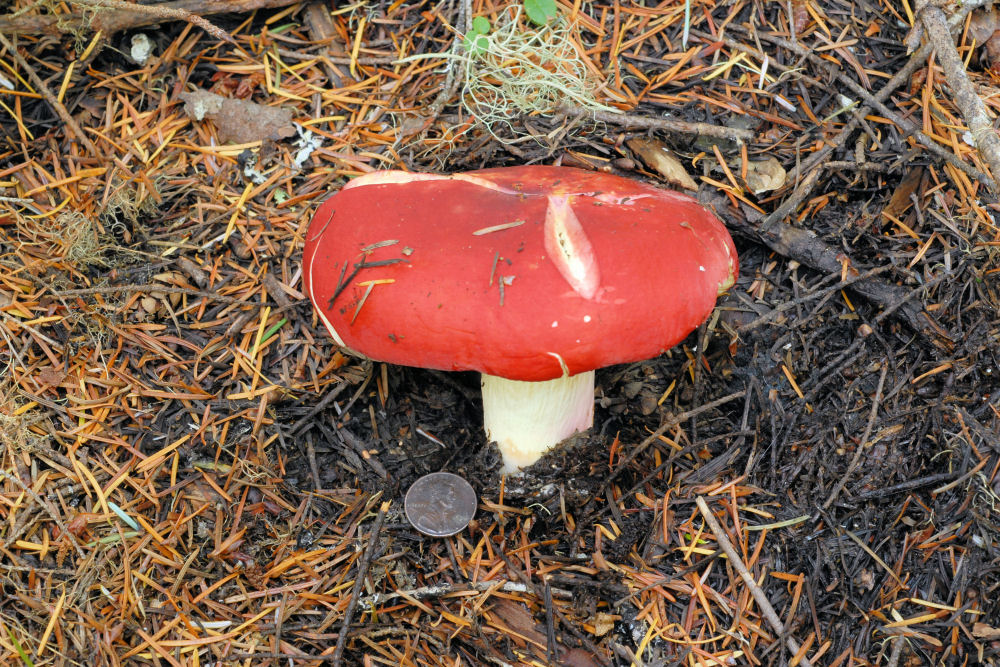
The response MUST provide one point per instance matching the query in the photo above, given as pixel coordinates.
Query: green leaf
(480, 25)
(476, 43)
(540, 11)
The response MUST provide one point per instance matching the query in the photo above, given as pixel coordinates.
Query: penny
(440, 504)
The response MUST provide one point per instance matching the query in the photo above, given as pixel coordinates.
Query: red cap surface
(528, 273)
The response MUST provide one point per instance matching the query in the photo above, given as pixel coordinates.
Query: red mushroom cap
(528, 273)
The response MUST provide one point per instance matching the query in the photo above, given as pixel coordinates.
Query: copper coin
(440, 504)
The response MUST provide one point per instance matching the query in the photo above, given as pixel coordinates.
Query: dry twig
(123, 16)
(51, 99)
(737, 562)
(964, 95)
(631, 120)
(374, 538)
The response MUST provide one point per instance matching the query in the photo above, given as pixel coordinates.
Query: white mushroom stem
(526, 419)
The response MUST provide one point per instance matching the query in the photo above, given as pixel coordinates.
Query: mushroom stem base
(526, 419)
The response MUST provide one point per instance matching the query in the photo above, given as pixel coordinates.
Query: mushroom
(534, 276)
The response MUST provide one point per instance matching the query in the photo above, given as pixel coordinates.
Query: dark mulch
(194, 474)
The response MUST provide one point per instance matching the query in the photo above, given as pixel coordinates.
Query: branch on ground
(112, 17)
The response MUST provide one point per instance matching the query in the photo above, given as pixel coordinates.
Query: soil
(867, 519)
(839, 412)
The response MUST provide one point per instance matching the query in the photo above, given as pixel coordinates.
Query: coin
(440, 504)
